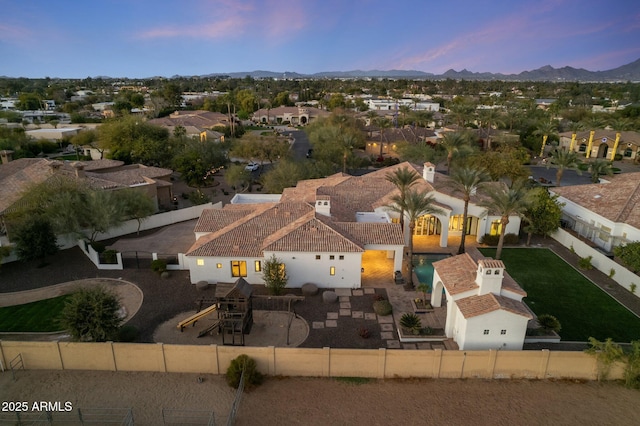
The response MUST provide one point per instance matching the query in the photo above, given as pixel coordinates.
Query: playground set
(233, 304)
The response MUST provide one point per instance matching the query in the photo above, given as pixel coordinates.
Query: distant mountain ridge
(629, 72)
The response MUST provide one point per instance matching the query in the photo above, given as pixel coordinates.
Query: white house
(607, 214)
(326, 231)
(484, 304)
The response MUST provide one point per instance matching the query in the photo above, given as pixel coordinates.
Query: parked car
(252, 166)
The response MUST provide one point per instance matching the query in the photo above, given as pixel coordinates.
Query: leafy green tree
(137, 205)
(132, 140)
(629, 254)
(563, 160)
(238, 177)
(465, 181)
(92, 315)
(543, 213)
(505, 202)
(34, 239)
(197, 161)
(284, 175)
(417, 152)
(29, 101)
(274, 275)
(414, 204)
(503, 162)
(606, 353)
(5, 251)
(632, 369)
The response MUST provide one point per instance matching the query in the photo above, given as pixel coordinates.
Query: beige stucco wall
(326, 362)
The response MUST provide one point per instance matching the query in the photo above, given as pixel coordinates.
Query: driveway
(172, 239)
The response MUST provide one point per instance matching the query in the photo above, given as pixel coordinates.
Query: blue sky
(143, 38)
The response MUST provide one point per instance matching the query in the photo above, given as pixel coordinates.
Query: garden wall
(622, 276)
(325, 362)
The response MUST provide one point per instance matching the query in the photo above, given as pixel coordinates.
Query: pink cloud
(16, 33)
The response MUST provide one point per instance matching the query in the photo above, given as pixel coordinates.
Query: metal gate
(136, 259)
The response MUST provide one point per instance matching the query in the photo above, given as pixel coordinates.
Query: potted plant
(422, 305)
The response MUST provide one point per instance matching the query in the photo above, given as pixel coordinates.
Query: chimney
(55, 165)
(429, 172)
(323, 205)
(489, 276)
(79, 167)
(6, 156)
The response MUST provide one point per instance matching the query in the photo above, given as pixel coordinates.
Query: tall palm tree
(563, 160)
(383, 123)
(422, 118)
(454, 143)
(414, 205)
(465, 181)
(600, 167)
(489, 118)
(546, 129)
(506, 202)
(403, 178)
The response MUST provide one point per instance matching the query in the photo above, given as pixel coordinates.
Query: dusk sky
(144, 38)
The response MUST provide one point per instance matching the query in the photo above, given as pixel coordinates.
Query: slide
(195, 317)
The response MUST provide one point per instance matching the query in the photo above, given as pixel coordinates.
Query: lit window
(219, 265)
(258, 266)
(200, 262)
(496, 228)
(331, 257)
(317, 257)
(238, 268)
(486, 332)
(332, 270)
(503, 331)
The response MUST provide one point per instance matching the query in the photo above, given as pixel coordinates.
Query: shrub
(109, 257)
(252, 377)
(612, 272)
(98, 247)
(411, 322)
(585, 263)
(617, 157)
(549, 323)
(128, 333)
(364, 332)
(633, 287)
(492, 240)
(159, 266)
(382, 307)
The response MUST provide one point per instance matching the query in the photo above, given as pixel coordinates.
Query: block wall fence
(325, 362)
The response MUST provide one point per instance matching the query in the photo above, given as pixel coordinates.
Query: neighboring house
(391, 137)
(18, 175)
(607, 214)
(329, 231)
(484, 304)
(205, 125)
(394, 104)
(53, 134)
(602, 144)
(296, 116)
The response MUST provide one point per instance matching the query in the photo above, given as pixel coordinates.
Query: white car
(252, 166)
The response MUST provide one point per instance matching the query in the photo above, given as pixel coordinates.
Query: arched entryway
(603, 150)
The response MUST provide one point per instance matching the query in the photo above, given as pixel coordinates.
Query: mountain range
(629, 72)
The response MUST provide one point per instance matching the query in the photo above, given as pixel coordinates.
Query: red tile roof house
(326, 231)
(18, 175)
(484, 304)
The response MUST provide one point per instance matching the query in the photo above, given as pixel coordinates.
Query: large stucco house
(296, 116)
(484, 304)
(602, 143)
(607, 214)
(328, 231)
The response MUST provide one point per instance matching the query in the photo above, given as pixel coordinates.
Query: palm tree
(506, 202)
(454, 143)
(414, 205)
(403, 178)
(546, 129)
(383, 123)
(465, 181)
(422, 118)
(600, 167)
(563, 160)
(489, 118)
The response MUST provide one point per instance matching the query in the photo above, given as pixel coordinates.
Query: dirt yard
(305, 401)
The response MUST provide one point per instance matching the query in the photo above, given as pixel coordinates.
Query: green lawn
(554, 287)
(41, 316)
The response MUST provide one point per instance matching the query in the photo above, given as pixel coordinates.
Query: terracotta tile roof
(212, 220)
(198, 119)
(373, 233)
(101, 164)
(245, 237)
(618, 201)
(16, 176)
(458, 273)
(309, 234)
(134, 176)
(474, 306)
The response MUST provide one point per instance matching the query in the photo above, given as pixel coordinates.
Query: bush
(382, 307)
(98, 247)
(159, 266)
(585, 263)
(492, 240)
(128, 333)
(549, 323)
(252, 377)
(109, 257)
(617, 157)
(411, 322)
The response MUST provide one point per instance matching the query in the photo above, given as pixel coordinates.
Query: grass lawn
(554, 287)
(41, 316)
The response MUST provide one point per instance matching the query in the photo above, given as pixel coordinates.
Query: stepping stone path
(343, 296)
